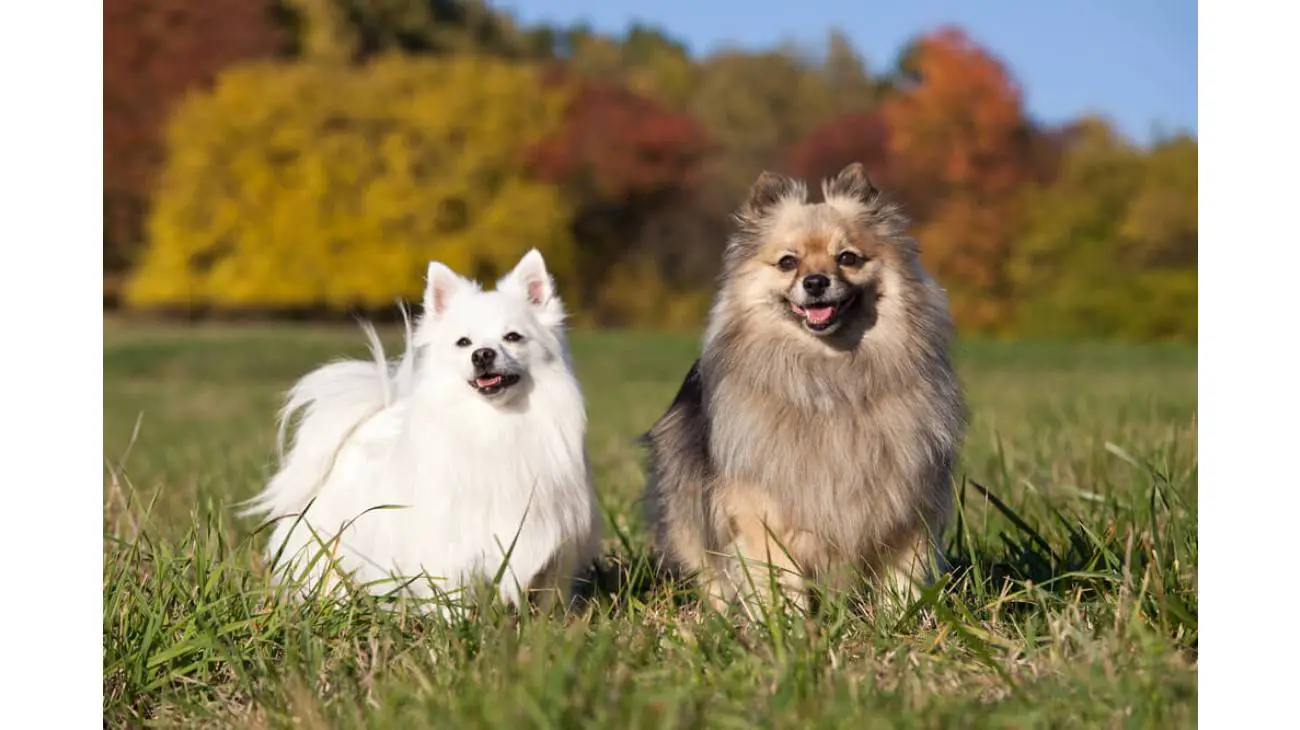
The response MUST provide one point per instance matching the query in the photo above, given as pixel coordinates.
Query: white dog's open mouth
(493, 383)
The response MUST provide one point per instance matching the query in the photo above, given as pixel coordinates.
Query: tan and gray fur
(826, 455)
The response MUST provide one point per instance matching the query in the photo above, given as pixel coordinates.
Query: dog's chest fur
(843, 452)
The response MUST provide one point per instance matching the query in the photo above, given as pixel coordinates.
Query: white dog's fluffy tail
(335, 400)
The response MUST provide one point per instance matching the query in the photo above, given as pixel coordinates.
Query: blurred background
(306, 158)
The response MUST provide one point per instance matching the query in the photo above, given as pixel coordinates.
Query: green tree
(1109, 249)
(1162, 218)
(645, 60)
(847, 77)
(757, 105)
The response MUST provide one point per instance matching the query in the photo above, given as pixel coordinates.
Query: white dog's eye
(463, 342)
(514, 337)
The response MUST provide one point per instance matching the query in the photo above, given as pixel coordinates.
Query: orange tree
(959, 150)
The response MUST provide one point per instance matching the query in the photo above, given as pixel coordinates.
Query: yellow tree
(318, 185)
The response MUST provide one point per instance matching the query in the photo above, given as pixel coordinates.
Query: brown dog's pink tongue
(818, 315)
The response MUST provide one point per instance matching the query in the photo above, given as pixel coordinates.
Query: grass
(1073, 602)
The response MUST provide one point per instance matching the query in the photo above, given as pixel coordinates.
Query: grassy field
(1073, 602)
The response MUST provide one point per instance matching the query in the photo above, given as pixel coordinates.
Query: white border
(52, 149)
(51, 68)
(1248, 384)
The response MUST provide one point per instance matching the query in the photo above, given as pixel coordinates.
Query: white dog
(472, 444)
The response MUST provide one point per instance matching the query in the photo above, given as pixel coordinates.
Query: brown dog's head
(819, 267)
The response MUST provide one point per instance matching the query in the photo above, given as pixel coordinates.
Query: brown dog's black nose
(483, 357)
(816, 284)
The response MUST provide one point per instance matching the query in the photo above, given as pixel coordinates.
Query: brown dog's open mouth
(493, 383)
(821, 316)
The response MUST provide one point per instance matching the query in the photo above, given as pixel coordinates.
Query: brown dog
(818, 431)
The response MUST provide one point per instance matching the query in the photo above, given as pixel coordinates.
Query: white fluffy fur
(466, 472)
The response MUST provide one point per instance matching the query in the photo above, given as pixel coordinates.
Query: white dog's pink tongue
(818, 315)
(488, 381)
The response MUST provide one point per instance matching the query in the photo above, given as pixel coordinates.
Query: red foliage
(629, 165)
(618, 145)
(154, 52)
(857, 137)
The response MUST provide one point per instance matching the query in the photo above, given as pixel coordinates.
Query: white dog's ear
(440, 284)
(532, 278)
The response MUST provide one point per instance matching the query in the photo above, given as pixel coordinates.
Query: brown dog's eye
(787, 263)
(513, 337)
(848, 258)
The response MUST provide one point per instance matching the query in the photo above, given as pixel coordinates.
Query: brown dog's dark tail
(690, 396)
(675, 499)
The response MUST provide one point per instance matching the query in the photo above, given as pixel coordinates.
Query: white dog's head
(493, 341)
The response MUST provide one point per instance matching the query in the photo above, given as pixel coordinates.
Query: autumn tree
(155, 51)
(319, 186)
(857, 133)
(1109, 249)
(323, 31)
(644, 59)
(361, 29)
(860, 137)
(852, 88)
(1162, 219)
(752, 105)
(758, 104)
(624, 161)
(959, 150)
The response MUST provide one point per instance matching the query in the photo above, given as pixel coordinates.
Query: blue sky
(1134, 61)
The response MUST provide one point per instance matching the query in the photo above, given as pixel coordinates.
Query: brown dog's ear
(853, 183)
(769, 189)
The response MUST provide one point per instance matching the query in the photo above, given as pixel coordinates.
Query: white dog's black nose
(816, 284)
(483, 357)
